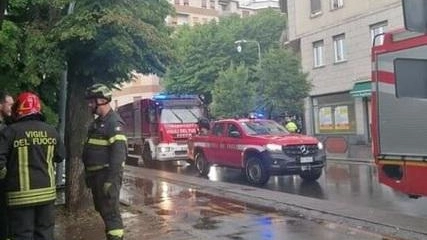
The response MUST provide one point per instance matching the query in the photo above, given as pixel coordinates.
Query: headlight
(164, 149)
(274, 147)
(320, 145)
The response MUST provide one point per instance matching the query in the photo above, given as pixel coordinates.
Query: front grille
(300, 150)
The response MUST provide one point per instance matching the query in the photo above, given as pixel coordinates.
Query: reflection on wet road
(205, 216)
(353, 183)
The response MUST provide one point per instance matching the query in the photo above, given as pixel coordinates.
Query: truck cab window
(232, 130)
(218, 129)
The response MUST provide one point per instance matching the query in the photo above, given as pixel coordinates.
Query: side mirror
(415, 15)
(234, 134)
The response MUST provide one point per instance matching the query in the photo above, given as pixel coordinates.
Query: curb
(361, 160)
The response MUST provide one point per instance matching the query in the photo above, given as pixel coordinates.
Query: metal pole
(259, 53)
(60, 167)
(61, 126)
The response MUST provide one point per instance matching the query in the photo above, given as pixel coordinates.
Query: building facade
(193, 12)
(334, 39)
(141, 86)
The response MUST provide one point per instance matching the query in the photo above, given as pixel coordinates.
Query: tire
(256, 171)
(146, 156)
(311, 175)
(202, 165)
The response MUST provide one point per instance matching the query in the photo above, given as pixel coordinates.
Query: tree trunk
(78, 118)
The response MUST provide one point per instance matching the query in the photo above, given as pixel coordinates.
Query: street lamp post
(239, 47)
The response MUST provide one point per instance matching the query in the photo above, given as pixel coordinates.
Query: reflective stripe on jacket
(106, 145)
(29, 148)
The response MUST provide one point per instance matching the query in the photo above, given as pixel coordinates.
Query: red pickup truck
(259, 147)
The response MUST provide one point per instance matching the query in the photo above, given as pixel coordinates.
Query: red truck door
(215, 143)
(230, 153)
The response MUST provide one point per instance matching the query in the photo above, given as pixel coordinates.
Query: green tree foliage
(285, 83)
(104, 41)
(100, 40)
(203, 51)
(233, 93)
(9, 48)
(29, 59)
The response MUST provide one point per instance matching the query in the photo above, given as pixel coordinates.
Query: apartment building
(193, 12)
(334, 39)
(140, 86)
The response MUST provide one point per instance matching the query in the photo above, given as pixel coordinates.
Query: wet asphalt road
(341, 181)
(158, 209)
(190, 214)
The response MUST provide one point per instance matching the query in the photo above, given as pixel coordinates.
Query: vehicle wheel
(202, 165)
(311, 175)
(256, 171)
(147, 159)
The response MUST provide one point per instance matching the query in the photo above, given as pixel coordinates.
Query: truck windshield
(180, 115)
(263, 128)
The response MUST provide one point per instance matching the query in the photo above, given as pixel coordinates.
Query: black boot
(111, 237)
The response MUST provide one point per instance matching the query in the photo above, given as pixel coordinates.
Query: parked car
(259, 147)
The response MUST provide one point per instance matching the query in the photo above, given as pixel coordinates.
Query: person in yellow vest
(290, 125)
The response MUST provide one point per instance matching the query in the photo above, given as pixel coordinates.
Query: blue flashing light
(256, 115)
(162, 96)
(159, 97)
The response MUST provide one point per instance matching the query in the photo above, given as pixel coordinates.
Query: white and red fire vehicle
(259, 147)
(399, 111)
(157, 129)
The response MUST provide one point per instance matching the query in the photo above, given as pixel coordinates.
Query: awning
(362, 89)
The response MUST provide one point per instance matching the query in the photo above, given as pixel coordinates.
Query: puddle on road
(227, 219)
(206, 223)
(138, 191)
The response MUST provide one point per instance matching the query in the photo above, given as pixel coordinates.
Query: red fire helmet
(27, 103)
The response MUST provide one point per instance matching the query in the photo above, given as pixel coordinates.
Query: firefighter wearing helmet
(104, 154)
(29, 147)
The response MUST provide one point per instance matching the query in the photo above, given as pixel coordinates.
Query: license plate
(306, 159)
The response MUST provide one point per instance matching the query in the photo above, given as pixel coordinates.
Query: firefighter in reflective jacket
(104, 155)
(28, 149)
(290, 125)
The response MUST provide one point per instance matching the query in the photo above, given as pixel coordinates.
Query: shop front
(342, 121)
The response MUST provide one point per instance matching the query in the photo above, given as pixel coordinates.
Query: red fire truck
(399, 117)
(158, 128)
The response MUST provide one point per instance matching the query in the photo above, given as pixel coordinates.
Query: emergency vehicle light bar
(161, 96)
